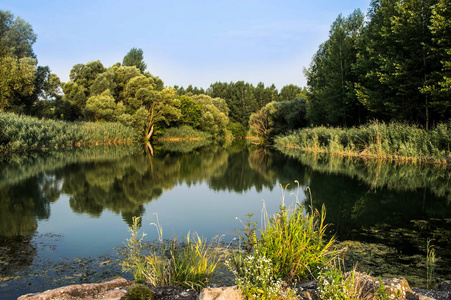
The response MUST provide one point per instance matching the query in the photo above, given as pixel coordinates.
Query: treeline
(394, 66)
(124, 92)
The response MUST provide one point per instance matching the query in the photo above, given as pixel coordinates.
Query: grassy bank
(25, 134)
(392, 141)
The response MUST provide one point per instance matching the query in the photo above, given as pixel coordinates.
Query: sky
(197, 42)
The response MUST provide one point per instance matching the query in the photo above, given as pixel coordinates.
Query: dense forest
(394, 64)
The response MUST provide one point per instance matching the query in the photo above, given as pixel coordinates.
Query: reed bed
(393, 141)
(20, 133)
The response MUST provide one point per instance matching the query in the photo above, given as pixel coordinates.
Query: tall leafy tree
(16, 36)
(17, 63)
(135, 57)
(396, 62)
(440, 89)
(331, 77)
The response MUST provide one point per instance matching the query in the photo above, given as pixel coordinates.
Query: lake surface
(63, 213)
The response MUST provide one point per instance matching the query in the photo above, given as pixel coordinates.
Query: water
(62, 214)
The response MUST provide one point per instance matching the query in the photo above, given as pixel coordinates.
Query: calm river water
(62, 214)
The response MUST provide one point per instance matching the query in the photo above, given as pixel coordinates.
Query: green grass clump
(291, 247)
(380, 140)
(24, 134)
(189, 264)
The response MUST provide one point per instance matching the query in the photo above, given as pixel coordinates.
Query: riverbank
(393, 141)
(22, 134)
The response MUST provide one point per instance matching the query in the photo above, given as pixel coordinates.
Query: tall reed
(376, 139)
(20, 133)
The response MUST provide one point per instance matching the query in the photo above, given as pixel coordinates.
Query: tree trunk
(149, 134)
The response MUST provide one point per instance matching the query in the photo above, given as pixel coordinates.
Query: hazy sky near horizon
(196, 42)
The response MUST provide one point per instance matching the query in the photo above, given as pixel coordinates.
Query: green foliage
(191, 111)
(135, 58)
(333, 284)
(184, 132)
(330, 77)
(390, 141)
(139, 292)
(16, 36)
(237, 130)
(134, 261)
(23, 134)
(380, 292)
(189, 264)
(278, 118)
(255, 279)
(395, 66)
(16, 81)
(296, 244)
(100, 107)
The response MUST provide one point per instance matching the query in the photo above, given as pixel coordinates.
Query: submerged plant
(430, 264)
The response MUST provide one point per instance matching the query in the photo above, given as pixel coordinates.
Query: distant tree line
(395, 64)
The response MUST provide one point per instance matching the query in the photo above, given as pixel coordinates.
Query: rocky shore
(395, 288)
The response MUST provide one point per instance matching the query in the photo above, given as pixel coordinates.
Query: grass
(290, 248)
(20, 134)
(189, 264)
(393, 141)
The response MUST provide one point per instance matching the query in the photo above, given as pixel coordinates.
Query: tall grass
(20, 133)
(189, 264)
(291, 247)
(388, 141)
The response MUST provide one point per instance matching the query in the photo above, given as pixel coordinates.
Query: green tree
(85, 75)
(331, 78)
(440, 89)
(135, 57)
(16, 81)
(289, 92)
(16, 36)
(396, 63)
(278, 118)
(191, 111)
(17, 63)
(100, 107)
(162, 107)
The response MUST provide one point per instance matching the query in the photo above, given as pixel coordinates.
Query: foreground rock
(111, 290)
(395, 288)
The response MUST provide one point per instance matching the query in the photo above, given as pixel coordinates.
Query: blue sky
(194, 42)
